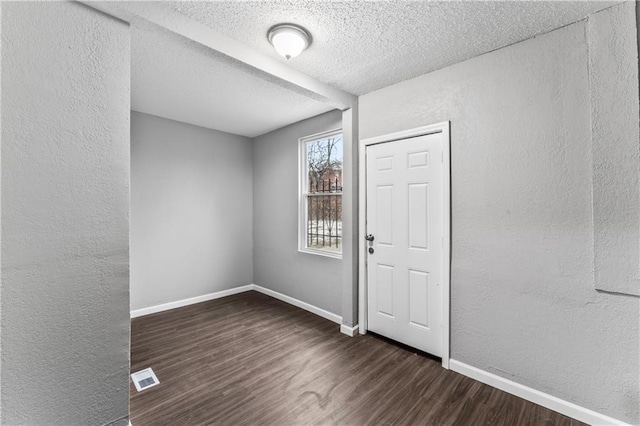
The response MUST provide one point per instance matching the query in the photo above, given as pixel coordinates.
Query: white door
(405, 201)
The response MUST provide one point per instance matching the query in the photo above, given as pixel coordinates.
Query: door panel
(419, 298)
(405, 216)
(384, 281)
(384, 214)
(418, 211)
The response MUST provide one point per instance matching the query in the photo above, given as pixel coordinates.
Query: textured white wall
(191, 211)
(613, 71)
(65, 215)
(523, 300)
(278, 264)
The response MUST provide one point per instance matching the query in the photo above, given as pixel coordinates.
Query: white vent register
(144, 379)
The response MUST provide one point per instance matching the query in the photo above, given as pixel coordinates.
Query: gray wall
(277, 263)
(65, 215)
(523, 303)
(191, 211)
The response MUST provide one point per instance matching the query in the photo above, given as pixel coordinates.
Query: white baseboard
(548, 401)
(288, 299)
(190, 301)
(299, 303)
(349, 331)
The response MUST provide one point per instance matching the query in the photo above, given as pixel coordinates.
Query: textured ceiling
(181, 80)
(361, 46)
(358, 46)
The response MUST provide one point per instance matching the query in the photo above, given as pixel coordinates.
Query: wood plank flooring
(251, 359)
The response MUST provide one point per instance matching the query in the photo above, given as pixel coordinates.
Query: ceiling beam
(159, 15)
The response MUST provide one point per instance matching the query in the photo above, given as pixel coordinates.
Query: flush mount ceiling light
(289, 40)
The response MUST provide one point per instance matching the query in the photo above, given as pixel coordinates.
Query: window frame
(303, 193)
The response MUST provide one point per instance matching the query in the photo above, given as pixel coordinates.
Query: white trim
(303, 193)
(190, 301)
(349, 331)
(217, 295)
(548, 401)
(325, 253)
(321, 135)
(404, 134)
(362, 185)
(299, 303)
(446, 246)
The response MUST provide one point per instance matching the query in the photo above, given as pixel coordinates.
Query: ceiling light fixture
(289, 40)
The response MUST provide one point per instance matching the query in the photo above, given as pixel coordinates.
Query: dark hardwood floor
(252, 359)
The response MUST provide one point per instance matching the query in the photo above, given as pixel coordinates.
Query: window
(320, 217)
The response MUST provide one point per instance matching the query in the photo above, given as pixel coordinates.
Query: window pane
(324, 163)
(324, 202)
(324, 222)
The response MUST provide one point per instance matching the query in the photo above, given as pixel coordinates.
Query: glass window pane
(324, 164)
(324, 222)
(324, 185)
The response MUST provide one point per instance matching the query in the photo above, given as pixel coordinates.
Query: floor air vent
(144, 379)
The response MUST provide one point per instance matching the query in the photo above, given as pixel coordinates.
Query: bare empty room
(320, 212)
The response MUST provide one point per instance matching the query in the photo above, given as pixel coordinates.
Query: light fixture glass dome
(289, 40)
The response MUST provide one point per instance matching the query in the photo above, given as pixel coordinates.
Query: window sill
(321, 253)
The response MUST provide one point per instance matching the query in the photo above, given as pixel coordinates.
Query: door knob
(369, 237)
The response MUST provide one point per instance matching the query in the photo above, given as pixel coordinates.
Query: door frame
(444, 129)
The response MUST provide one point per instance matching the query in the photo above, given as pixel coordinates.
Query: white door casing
(404, 286)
